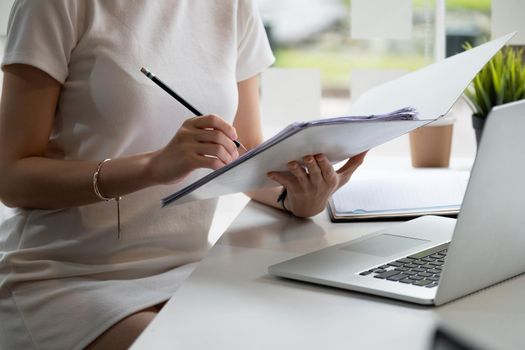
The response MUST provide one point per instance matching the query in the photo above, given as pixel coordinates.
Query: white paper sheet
(385, 19)
(508, 16)
(414, 189)
(431, 90)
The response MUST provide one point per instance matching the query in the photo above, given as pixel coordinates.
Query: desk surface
(230, 301)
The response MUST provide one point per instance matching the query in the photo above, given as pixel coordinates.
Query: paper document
(408, 193)
(431, 91)
(337, 138)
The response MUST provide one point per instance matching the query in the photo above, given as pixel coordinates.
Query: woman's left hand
(309, 189)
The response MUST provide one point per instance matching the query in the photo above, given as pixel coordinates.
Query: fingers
(320, 172)
(214, 150)
(327, 170)
(316, 171)
(308, 191)
(285, 179)
(313, 169)
(298, 172)
(214, 137)
(351, 165)
(213, 121)
(218, 137)
(209, 162)
(296, 179)
(200, 142)
(310, 186)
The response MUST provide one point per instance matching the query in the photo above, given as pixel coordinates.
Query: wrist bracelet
(102, 197)
(282, 197)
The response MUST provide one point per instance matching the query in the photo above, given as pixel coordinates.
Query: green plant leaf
(500, 81)
(500, 94)
(482, 96)
(496, 79)
(519, 94)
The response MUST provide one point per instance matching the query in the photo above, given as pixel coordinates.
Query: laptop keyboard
(422, 269)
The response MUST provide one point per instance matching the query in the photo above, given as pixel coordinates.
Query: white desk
(230, 301)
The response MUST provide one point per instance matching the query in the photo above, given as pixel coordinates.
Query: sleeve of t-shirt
(253, 51)
(42, 34)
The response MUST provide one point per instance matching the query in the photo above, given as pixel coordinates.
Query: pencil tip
(144, 70)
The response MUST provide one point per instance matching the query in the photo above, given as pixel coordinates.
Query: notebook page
(414, 189)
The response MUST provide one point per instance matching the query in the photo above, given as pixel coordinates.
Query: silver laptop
(432, 259)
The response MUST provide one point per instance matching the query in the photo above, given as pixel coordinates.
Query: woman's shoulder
(46, 6)
(55, 12)
(43, 33)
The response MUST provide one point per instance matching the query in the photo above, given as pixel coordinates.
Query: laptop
(432, 260)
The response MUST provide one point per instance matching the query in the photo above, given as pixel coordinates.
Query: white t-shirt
(68, 265)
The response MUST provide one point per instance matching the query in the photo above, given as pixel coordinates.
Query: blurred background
(318, 34)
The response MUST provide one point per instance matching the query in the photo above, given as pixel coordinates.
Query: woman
(73, 96)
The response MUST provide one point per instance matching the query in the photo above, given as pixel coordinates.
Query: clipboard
(432, 91)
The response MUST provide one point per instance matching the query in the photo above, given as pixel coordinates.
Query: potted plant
(501, 81)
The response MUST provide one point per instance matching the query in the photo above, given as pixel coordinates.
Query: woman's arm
(308, 191)
(31, 180)
(248, 125)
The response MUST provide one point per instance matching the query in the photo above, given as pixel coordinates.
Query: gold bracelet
(102, 197)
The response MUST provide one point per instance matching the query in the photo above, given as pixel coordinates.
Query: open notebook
(402, 194)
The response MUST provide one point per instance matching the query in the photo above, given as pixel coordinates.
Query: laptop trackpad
(384, 245)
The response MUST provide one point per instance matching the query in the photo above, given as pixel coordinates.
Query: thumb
(352, 164)
(282, 178)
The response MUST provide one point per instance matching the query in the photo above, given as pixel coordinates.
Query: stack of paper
(403, 194)
(331, 131)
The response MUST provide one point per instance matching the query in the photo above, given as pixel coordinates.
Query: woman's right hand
(201, 142)
(32, 180)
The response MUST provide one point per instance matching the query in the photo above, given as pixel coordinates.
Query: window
(317, 34)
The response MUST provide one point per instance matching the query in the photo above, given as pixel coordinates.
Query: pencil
(181, 100)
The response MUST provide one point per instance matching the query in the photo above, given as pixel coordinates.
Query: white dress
(64, 276)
